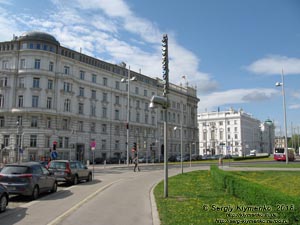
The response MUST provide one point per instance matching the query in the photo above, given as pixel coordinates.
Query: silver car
(29, 179)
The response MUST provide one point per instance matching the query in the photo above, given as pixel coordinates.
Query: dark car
(28, 179)
(70, 171)
(3, 198)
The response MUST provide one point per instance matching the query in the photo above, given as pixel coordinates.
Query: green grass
(266, 165)
(191, 193)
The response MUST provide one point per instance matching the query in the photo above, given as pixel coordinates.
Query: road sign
(54, 155)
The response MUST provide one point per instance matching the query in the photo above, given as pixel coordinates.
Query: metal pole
(165, 157)
(285, 124)
(181, 147)
(128, 112)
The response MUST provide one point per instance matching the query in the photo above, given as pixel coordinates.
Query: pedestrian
(136, 164)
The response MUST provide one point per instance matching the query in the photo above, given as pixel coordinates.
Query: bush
(256, 194)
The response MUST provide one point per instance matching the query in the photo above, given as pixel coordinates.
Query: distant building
(233, 132)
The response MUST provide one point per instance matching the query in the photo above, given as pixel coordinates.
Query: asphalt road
(117, 196)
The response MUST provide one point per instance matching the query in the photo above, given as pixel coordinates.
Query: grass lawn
(193, 199)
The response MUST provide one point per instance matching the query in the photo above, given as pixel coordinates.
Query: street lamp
(278, 84)
(123, 80)
(18, 141)
(181, 149)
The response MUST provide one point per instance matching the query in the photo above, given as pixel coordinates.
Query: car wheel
(54, 188)
(75, 180)
(90, 177)
(3, 203)
(35, 193)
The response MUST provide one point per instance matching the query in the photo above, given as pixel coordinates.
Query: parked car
(28, 178)
(3, 198)
(70, 171)
(172, 158)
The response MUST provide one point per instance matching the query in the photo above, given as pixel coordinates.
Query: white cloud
(235, 96)
(274, 64)
(294, 106)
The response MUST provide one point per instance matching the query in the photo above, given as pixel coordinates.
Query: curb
(154, 212)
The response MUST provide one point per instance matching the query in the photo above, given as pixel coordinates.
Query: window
(146, 119)
(35, 101)
(33, 140)
(104, 112)
(23, 64)
(36, 82)
(221, 123)
(117, 100)
(51, 66)
(146, 106)
(48, 122)
(34, 121)
(153, 120)
(50, 84)
(81, 91)
(37, 64)
(93, 109)
(235, 136)
(117, 85)
(66, 70)
(145, 93)
(235, 129)
(49, 103)
(82, 75)
(80, 125)
(20, 101)
(137, 90)
(60, 142)
(2, 121)
(117, 144)
(93, 96)
(38, 46)
(67, 105)
(104, 128)
(3, 82)
(80, 108)
(5, 64)
(66, 142)
(137, 117)
(93, 127)
(67, 87)
(1, 101)
(117, 114)
(103, 144)
(6, 140)
(94, 78)
(20, 120)
(104, 81)
(104, 97)
(221, 134)
(65, 124)
(21, 82)
(137, 104)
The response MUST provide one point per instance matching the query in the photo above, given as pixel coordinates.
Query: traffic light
(165, 63)
(54, 146)
(134, 146)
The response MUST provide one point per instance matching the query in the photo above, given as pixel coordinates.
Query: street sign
(54, 155)
(93, 148)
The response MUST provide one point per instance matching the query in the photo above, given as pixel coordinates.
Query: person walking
(136, 164)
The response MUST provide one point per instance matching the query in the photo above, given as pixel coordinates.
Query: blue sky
(232, 51)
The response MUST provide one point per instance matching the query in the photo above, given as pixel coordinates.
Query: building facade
(232, 132)
(55, 97)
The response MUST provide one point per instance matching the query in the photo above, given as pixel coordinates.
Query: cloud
(294, 106)
(112, 31)
(236, 96)
(274, 64)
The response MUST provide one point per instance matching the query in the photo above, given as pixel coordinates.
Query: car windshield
(57, 165)
(15, 170)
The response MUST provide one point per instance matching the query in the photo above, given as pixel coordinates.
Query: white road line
(75, 207)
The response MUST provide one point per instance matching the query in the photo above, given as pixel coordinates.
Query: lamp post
(278, 84)
(17, 141)
(181, 148)
(128, 111)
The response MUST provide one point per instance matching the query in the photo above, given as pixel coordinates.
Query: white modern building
(233, 132)
(51, 94)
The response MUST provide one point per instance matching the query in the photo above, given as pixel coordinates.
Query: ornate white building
(233, 132)
(52, 94)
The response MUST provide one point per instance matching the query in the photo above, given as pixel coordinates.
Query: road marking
(79, 204)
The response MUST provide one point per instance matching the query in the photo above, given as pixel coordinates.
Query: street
(116, 196)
